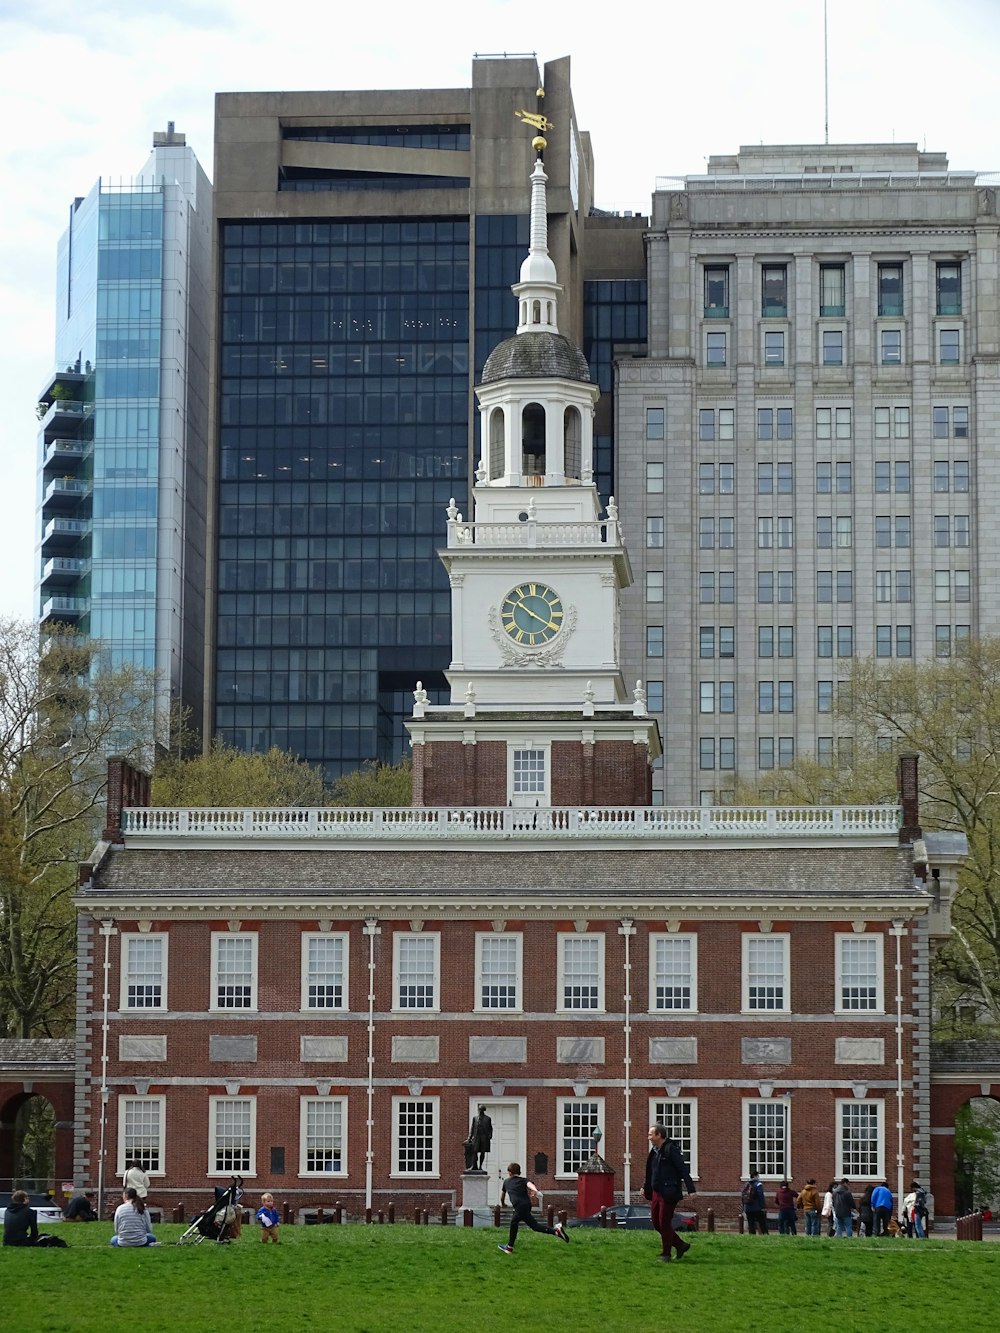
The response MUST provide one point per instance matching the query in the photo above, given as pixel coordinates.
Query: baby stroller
(214, 1222)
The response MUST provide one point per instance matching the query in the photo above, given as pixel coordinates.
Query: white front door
(507, 1144)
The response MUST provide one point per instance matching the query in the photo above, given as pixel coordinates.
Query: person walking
(827, 1211)
(843, 1209)
(866, 1213)
(809, 1204)
(754, 1205)
(882, 1208)
(915, 1211)
(133, 1228)
(784, 1199)
(522, 1195)
(136, 1179)
(269, 1218)
(667, 1175)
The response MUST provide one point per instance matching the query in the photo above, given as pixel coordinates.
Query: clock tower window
(573, 444)
(528, 777)
(496, 443)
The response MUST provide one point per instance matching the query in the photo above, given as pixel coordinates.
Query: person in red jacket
(784, 1198)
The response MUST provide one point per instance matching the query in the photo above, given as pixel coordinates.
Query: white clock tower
(539, 714)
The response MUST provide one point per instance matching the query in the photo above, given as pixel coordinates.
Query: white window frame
(841, 939)
(128, 938)
(849, 1169)
(563, 939)
(660, 1114)
(517, 1007)
(690, 938)
(397, 1172)
(124, 1152)
(784, 939)
(304, 1105)
(525, 799)
(562, 1105)
(779, 1105)
(214, 1006)
(214, 1103)
(397, 939)
(344, 940)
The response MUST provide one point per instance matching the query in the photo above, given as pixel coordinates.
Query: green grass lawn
(450, 1280)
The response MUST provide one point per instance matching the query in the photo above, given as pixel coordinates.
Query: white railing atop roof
(532, 534)
(338, 824)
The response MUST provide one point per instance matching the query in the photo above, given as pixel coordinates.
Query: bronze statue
(478, 1143)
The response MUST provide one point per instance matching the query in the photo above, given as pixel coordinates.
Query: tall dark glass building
(367, 242)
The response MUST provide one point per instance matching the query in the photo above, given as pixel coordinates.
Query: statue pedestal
(474, 1185)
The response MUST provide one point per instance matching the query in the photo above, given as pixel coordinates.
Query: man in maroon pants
(667, 1175)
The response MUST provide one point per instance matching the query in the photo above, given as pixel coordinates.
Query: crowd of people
(836, 1211)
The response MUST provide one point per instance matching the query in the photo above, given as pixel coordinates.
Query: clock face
(531, 614)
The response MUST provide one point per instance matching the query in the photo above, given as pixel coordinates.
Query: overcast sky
(660, 86)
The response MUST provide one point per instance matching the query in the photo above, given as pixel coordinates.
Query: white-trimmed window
(679, 1117)
(860, 1136)
(141, 1133)
(323, 1136)
(415, 1136)
(416, 965)
(324, 971)
(766, 1138)
(498, 971)
(673, 973)
(232, 1136)
(144, 971)
(576, 1120)
(581, 973)
(765, 973)
(860, 986)
(234, 971)
(528, 775)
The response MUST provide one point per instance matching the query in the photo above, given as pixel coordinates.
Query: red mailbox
(595, 1182)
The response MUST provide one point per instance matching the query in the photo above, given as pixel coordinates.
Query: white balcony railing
(533, 535)
(485, 824)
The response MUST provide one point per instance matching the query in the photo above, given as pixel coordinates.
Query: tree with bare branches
(62, 711)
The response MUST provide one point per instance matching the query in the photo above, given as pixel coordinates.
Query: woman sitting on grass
(132, 1225)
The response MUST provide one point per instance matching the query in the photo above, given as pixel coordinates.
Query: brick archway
(947, 1098)
(37, 1068)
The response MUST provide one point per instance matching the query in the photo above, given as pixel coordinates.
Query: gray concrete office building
(811, 442)
(366, 245)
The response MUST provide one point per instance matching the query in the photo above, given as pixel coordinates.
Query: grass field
(418, 1279)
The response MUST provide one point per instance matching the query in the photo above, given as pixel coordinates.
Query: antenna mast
(826, 82)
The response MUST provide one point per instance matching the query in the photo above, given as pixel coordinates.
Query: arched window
(524, 312)
(533, 440)
(496, 443)
(548, 312)
(536, 312)
(572, 444)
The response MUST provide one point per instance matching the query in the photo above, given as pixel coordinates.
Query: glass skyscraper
(122, 422)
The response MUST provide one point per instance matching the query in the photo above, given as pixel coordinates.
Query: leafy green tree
(62, 711)
(375, 784)
(977, 1154)
(226, 776)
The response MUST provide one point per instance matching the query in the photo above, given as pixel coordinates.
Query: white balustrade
(486, 823)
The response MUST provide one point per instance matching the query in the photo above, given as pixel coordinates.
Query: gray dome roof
(539, 355)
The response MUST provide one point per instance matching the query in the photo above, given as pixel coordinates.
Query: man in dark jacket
(20, 1223)
(754, 1206)
(843, 1209)
(667, 1175)
(81, 1208)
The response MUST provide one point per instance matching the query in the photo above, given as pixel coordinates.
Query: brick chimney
(126, 787)
(909, 798)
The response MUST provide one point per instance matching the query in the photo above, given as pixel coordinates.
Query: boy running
(522, 1194)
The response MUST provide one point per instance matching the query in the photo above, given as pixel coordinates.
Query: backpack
(920, 1202)
(51, 1242)
(748, 1194)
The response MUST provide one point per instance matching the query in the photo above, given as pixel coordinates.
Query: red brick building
(318, 1000)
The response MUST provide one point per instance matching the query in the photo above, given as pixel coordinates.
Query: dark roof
(35, 1051)
(974, 1055)
(536, 356)
(618, 874)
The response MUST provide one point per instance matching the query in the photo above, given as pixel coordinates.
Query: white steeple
(538, 291)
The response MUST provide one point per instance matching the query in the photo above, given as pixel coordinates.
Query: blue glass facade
(100, 437)
(614, 313)
(344, 426)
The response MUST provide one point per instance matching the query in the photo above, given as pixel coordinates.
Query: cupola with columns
(539, 715)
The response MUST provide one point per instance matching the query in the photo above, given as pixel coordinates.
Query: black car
(634, 1217)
